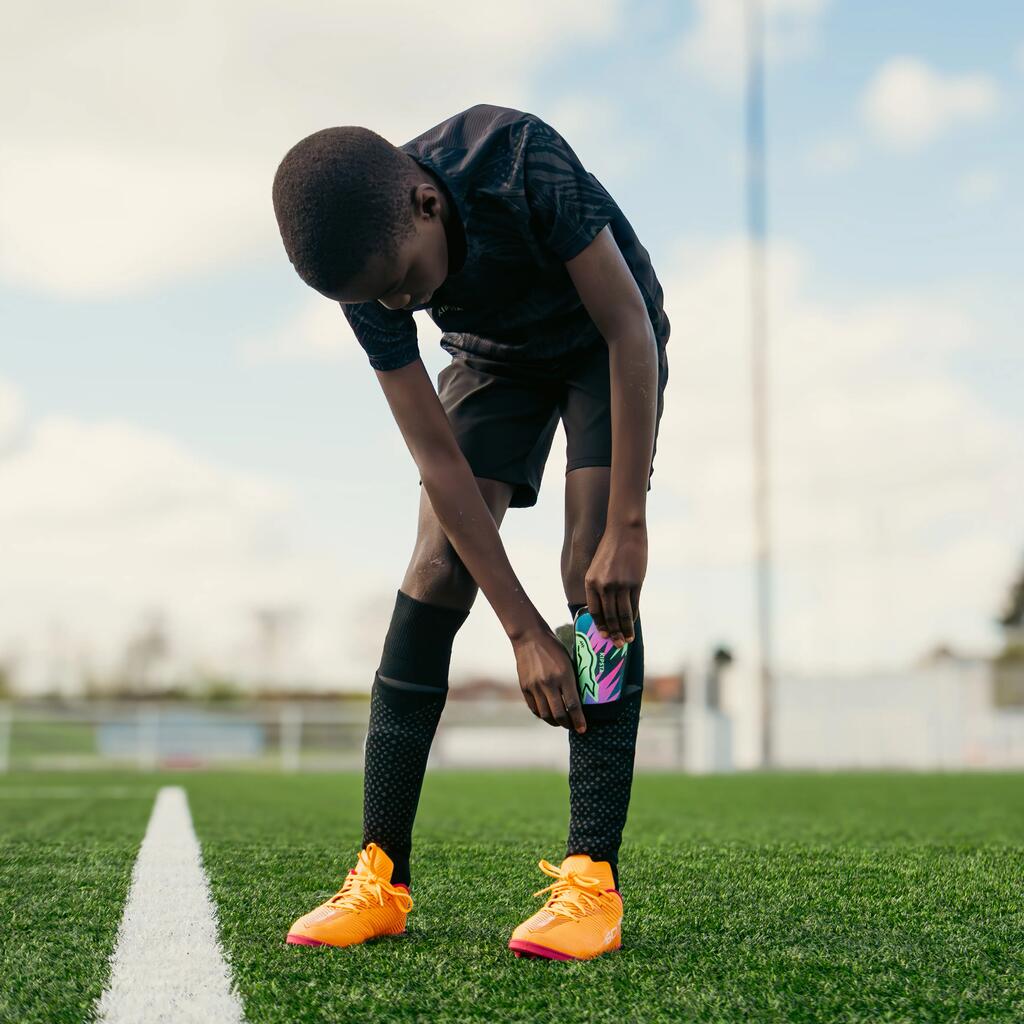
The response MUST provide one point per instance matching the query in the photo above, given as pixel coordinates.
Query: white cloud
(319, 333)
(896, 493)
(587, 121)
(979, 186)
(87, 221)
(146, 146)
(895, 488)
(715, 46)
(102, 521)
(11, 411)
(908, 104)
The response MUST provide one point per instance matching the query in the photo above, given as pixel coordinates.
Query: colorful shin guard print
(600, 665)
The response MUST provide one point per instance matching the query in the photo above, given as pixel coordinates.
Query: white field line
(168, 964)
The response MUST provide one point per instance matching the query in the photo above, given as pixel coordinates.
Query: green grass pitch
(832, 898)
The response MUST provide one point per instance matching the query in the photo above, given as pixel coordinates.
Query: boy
(550, 310)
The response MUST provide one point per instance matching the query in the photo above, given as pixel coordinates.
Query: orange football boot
(365, 907)
(582, 917)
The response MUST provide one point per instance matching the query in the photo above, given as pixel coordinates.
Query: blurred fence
(944, 716)
(322, 737)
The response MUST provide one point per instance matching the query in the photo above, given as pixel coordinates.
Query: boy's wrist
(523, 627)
(626, 521)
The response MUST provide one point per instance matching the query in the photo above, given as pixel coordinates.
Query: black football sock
(409, 692)
(601, 765)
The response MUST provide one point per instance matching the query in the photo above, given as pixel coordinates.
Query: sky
(189, 433)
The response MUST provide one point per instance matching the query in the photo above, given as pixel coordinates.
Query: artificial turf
(67, 846)
(747, 898)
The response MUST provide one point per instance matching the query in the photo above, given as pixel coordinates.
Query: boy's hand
(547, 678)
(614, 579)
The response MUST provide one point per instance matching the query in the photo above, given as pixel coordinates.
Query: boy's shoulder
(487, 141)
(527, 205)
(475, 123)
(514, 163)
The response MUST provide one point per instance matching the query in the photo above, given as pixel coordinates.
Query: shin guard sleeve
(409, 693)
(601, 768)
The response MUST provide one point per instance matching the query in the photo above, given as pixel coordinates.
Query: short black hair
(341, 196)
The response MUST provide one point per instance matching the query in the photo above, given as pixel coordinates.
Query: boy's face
(420, 267)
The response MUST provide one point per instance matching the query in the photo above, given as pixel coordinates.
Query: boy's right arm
(546, 673)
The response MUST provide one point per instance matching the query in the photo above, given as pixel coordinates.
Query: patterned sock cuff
(418, 645)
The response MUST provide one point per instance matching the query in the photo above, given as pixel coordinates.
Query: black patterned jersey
(525, 205)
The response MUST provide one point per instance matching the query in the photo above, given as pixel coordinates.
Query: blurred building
(485, 688)
(941, 715)
(670, 688)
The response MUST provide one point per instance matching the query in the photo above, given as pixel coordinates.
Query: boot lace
(364, 887)
(572, 894)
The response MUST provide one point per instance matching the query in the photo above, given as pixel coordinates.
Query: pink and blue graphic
(599, 663)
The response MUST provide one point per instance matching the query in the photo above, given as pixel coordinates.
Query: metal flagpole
(756, 238)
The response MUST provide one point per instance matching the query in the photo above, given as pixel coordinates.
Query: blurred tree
(1012, 618)
(218, 689)
(145, 650)
(1008, 669)
(275, 626)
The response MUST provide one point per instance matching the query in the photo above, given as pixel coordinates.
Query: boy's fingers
(611, 607)
(625, 615)
(551, 716)
(558, 714)
(594, 605)
(530, 703)
(574, 708)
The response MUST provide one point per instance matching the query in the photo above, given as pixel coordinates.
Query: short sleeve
(568, 205)
(388, 336)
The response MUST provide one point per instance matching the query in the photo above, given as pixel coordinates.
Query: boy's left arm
(610, 294)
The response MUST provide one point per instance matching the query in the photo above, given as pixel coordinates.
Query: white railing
(940, 718)
(295, 736)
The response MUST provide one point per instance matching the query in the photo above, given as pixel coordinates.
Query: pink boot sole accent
(521, 946)
(302, 940)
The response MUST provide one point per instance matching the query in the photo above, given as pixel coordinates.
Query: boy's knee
(438, 576)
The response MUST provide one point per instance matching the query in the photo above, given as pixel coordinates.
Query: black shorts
(504, 415)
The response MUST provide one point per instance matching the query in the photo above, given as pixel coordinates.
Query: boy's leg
(410, 686)
(601, 766)
(600, 760)
(503, 417)
(409, 692)
(583, 916)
